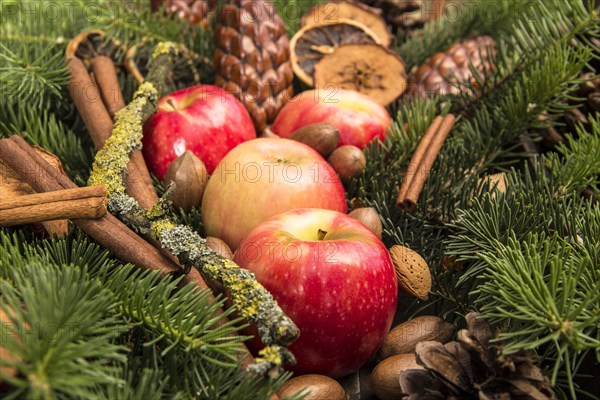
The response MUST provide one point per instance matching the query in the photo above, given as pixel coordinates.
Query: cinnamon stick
(88, 202)
(88, 101)
(418, 155)
(107, 81)
(423, 160)
(107, 231)
(92, 102)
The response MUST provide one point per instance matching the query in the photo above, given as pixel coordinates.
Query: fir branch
(174, 340)
(45, 129)
(576, 164)
(32, 78)
(62, 318)
(540, 286)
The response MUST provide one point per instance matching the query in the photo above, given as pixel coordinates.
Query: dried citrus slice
(311, 43)
(335, 10)
(367, 68)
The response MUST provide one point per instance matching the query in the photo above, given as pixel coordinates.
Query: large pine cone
(193, 11)
(452, 71)
(252, 58)
(473, 368)
(407, 15)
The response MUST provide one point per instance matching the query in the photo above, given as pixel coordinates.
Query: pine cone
(252, 58)
(407, 15)
(193, 11)
(442, 72)
(473, 368)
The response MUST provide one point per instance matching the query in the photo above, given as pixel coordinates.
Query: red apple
(204, 119)
(333, 277)
(358, 118)
(264, 177)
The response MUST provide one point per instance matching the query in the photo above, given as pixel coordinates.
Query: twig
(251, 299)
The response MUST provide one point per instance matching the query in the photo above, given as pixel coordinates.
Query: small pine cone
(451, 71)
(252, 58)
(193, 11)
(407, 15)
(474, 368)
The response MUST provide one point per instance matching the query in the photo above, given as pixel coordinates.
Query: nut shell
(190, 177)
(318, 387)
(322, 137)
(412, 272)
(219, 246)
(369, 218)
(348, 161)
(403, 339)
(385, 378)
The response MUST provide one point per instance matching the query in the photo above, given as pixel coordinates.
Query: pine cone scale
(252, 58)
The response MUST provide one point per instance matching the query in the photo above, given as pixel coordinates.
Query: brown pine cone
(193, 11)
(442, 72)
(252, 58)
(473, 368)
(407, 15)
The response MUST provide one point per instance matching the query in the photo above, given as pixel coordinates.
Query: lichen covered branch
(251, 299)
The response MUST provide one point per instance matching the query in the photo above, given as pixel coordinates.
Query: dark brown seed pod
(322, 137)
(403, 339)
(190, 177)
(385, 378)
(369, 218)
(348, 161)
(316, 387)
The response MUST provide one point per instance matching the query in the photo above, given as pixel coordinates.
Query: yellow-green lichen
(160, 226)
(270, 354)
(112, 160)
(164, 48)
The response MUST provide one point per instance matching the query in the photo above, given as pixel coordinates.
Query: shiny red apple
(204, 119)
(264, 177)
(333, 277)
(358, 118)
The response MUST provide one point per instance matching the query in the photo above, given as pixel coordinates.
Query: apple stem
(321, 234)
(172, 104)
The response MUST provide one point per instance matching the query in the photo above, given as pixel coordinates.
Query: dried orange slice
(311, 43)
(367, 68)
(335, 10)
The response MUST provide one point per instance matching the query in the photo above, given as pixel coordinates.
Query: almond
(403, 338)
(348, 161)
(369, 218)
(412, 272)
(190, 177)
(322, 137)
(385, 378)
(316, 387)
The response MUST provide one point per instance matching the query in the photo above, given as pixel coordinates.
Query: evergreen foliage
(529, 257)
